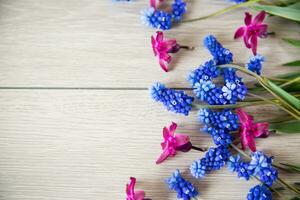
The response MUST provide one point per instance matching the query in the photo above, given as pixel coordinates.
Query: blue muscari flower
(157, 19)
(232, 92)
(219, 125)
(238, 1)
(255, 64)
(236, 165)
(259, 161)
(202, 88)
(221, 137)
(268, 175)
(175, 101)
(221, 55)
(214, 159)
(201, 79)
(185, 190)
(206, 72)
(240, 89)
(228, 91)
(215, 97)
(224, 119)
(261, 165)
(259, 192)
(178, 10)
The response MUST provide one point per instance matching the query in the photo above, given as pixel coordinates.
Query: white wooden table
(75, 121)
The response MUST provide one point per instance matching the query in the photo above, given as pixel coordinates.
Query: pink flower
(253, 29)
(162, 48)
(173, 143)
(131, 194)
(250, 130)
(153, 3)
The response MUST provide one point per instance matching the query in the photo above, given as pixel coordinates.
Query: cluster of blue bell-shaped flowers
(220, 124)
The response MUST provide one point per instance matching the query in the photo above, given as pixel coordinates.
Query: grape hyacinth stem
(288, 186)
(276, 104)
(186, 47)
(290, 82)
(199, 149)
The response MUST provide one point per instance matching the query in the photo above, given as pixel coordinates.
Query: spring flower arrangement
(219, 96)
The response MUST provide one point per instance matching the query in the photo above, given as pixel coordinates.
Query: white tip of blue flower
(146, 15)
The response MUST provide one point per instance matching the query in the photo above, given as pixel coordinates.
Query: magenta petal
(159, 36)
(139, 195)
(239, 32)
(263, 28)
(181, 139)
(166, 133)
(153, 45)
(243, 135)
(166, 57)
(172, 128)
(166, 137)
(163, 156)
(184, 148)
(163, 65)
(259, 18)
(248, 18)
(246, 41)
(261, 129)
(130, 186)
(243, 116)
(153, 3)
(254, 44)
(251, 143)
(170, 44)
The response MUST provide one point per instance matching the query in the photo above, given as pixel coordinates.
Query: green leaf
(292, 166)
(286, 127)
(289, 12)
(295, 198)
(294, 5)
(293, 101)
(293, 42)
(295, 87)
(293, 64)
(288, 2)
(289, 76)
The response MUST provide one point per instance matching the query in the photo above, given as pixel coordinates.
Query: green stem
(223, 10)
(240, 151)
(263, 82)
(288, 186)
(288, 105)
(277, 79)
(277, 192)
(271, 102)
(290, 82)
(199, 149)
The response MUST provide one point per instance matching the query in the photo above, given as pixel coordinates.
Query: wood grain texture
(60, 144)
(91, 43)
(85, 144)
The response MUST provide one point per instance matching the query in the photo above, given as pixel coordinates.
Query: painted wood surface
(59, 143)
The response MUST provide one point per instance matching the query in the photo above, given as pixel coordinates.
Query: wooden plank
(62, 144)
(103, 44)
